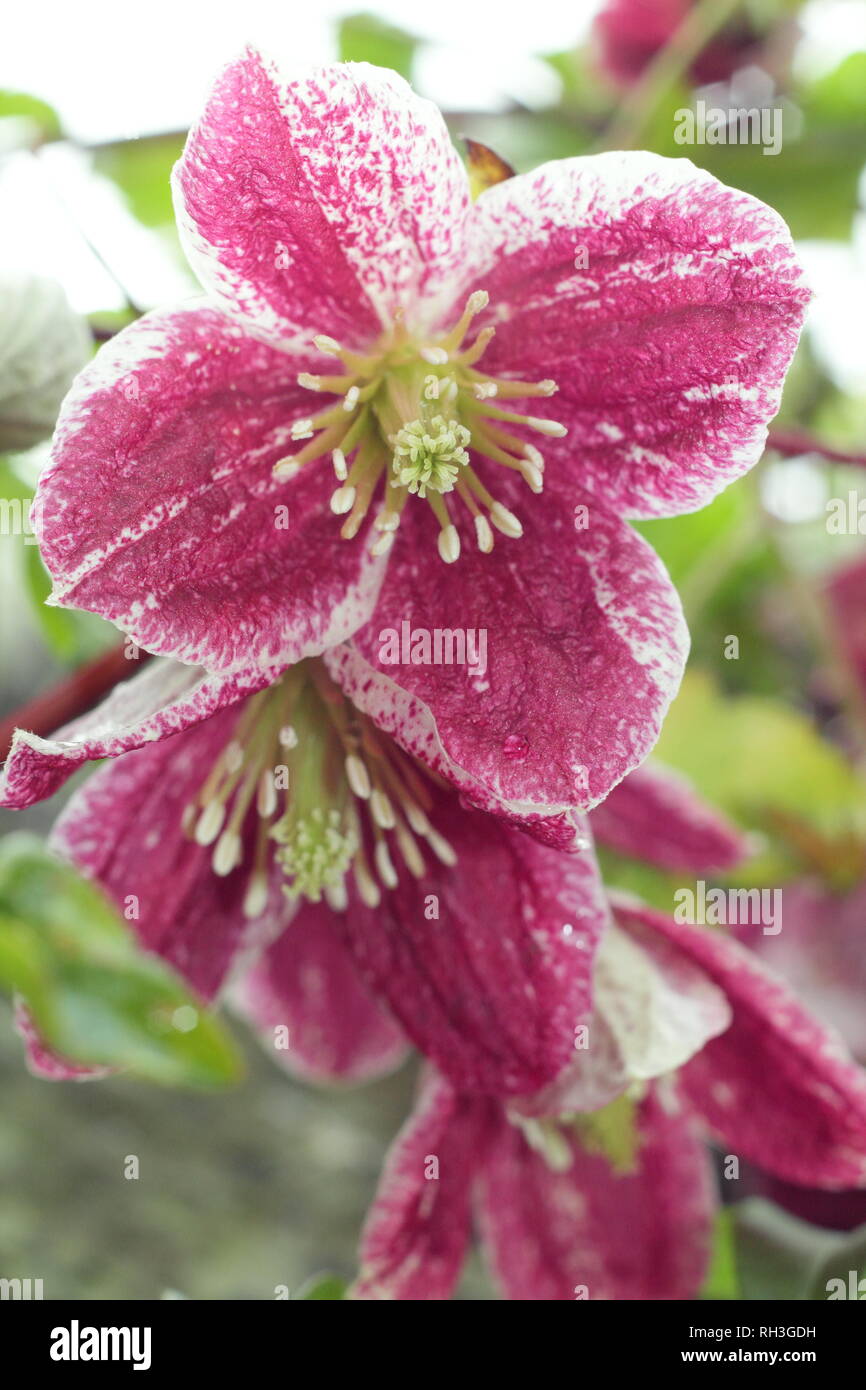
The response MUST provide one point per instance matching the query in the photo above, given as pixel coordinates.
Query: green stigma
(315, 852)
(430, 454)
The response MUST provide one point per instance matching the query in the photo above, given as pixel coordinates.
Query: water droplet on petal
(515, 747)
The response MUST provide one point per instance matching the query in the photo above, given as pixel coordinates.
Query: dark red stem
(73, 696)
(791, 442)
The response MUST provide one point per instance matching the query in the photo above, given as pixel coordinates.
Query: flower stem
(72, 697)
(701, 23)
(791, 443)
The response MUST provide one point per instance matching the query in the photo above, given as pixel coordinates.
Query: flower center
(307, 779)
(408, 416)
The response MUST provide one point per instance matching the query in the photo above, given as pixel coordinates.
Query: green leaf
(30, 119)
(362, 38)
(72, 636)
(752, 756)
(846, 1258)
(722, 1281)
(322, 1286)
(781, 1257)
(142, 169)
(45, 343)
(840, 95)
(95, 996)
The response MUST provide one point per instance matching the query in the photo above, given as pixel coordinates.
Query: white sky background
(116, 69)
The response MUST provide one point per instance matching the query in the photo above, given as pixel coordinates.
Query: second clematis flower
(288, 838)
(397, 405)
(695, 1039)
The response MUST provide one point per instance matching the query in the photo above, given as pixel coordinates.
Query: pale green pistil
(430, 454)
(315, 852)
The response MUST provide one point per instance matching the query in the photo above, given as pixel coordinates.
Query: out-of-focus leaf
(780, 1257)
(323, 1286)
(71, 635)
(845, 1261)
(700, 540)
(654, 886)
(44, 344)
(751, 755)
(96, 998)
(840, 95)
(722, 1281)
(26, 121)
(363, 38)
(142, 169)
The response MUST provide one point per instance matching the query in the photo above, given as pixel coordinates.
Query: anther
(382, 810)
(336, 895)
(234, 757)
(341, 471)
(533, 476)
(266, 795)
(383, 544)
(449, 544)
(412, 856)
(483, 534)
(505, 521)
(256, 896)
(385, 865)
(358, 776)
(227, 854)
(436, 356)
(551, 427)
(441, 848)
(366, 884)
(343, 499)
(210, 823)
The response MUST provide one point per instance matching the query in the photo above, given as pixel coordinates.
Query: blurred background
(266, 1184)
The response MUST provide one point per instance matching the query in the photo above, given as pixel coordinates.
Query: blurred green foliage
(93, 995)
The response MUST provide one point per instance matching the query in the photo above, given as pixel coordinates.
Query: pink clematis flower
(364, 318)
(629, 34)
(289, 838)
(289, 821)
(561, 1218)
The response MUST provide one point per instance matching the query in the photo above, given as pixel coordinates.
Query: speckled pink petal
(629, 34)
(653, 1009)
(316, 1017)
(665, 305)
(486, 964)
(821, 953)
(164, 698)
(123, 829)
(585, 646)
(655, 814)
(590, 1232)
(417, 1230)
(846, 601)
(321, 204)
(778, 1086)
(160, 511)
